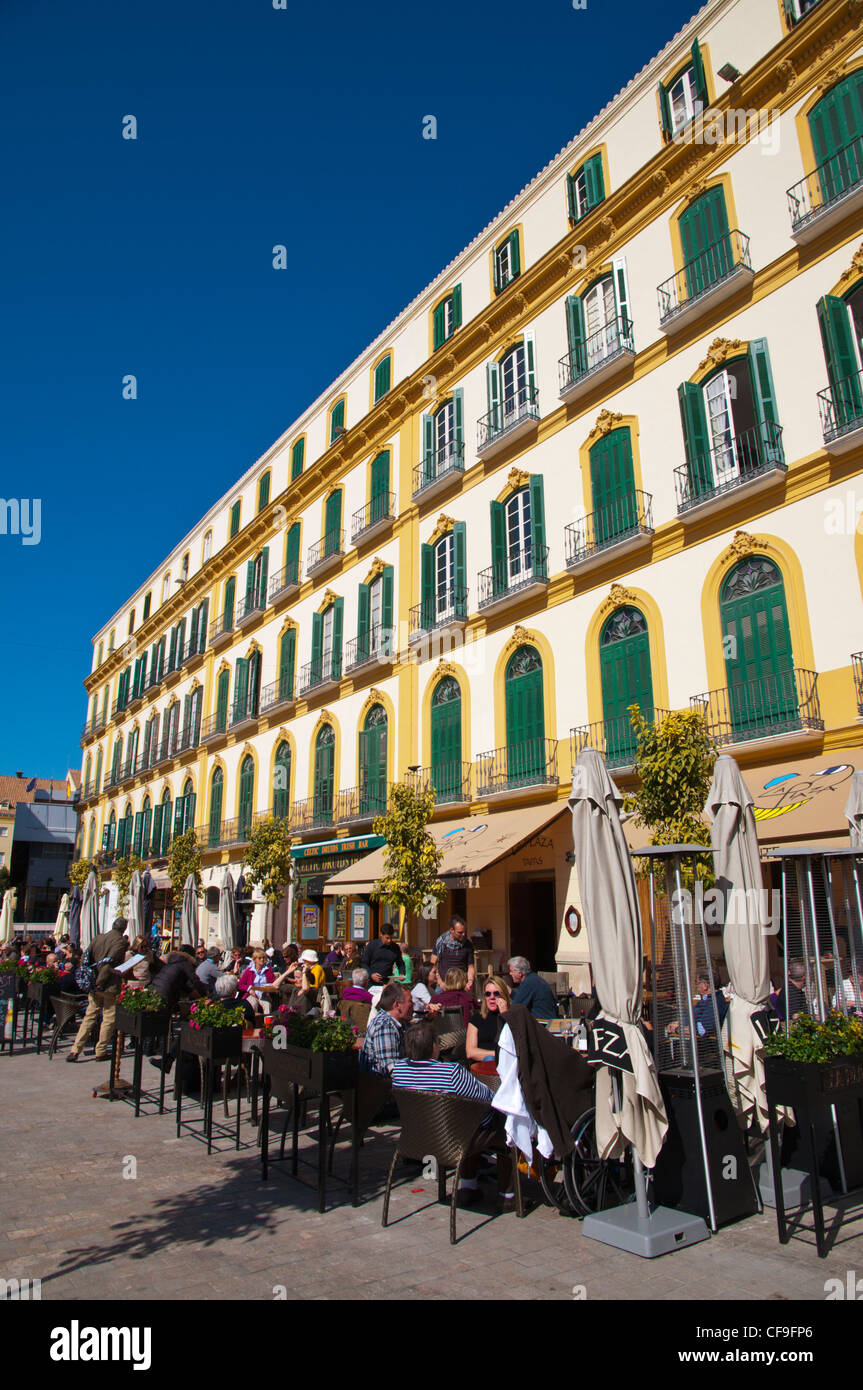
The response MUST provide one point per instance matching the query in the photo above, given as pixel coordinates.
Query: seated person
(797, 1002)
(455, 993)
(405, 972)
(358, 990)
(208, 971)
(316, 970)
(226, 991)
(702, 1010)
(177, 977)
(299, 992)
(334, 954)
(424, 990)
(485, 1026)
(531, 989)
(257, 980)
(383, 1044)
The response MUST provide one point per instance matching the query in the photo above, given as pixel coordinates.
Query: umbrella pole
(637, 1165)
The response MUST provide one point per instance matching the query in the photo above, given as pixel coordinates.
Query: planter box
(143, 1024)
(814, 1083)
(37, 991)
(320, 1071)
(213, 1044)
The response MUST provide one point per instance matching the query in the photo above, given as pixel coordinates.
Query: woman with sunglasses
(484, 1028)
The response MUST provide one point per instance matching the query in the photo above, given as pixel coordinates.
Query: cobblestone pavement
(189, 1226)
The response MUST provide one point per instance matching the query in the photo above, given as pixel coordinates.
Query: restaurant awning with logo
(313, 864)
(469, 845)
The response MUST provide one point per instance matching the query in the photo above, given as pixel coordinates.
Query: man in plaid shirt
(384, 1042)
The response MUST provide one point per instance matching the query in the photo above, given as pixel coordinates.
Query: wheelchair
(583, 1183)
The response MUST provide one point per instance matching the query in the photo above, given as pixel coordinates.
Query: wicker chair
(356, 1011)
(449, 1129)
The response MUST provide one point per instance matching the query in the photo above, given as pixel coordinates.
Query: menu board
(309, 930)
(359, 921)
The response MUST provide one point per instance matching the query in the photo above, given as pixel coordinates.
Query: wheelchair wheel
(552, 1178)
(592, 1183)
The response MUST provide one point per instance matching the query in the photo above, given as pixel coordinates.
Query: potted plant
(142, 1013)
(316, 1052)
(40, 979)
(214, 1031)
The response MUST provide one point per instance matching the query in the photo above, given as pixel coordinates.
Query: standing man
(453, 951)
(382, 956)
(106, 951)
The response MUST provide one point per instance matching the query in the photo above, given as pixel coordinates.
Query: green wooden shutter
(626, 680)
(698, 70)
(338, 615)
(514, 255)
(235, 518)
(337, 421)
(137, 832)
(705, 240)
(665, 112)
(834, 322)
(380, 482)
(537, 526)
(228, 607)
(189, 818)
(222, 693)
(427, 587)
(172, 651)
(247, 792)
(297, 455)
(254, 683)
(181, 641)
(187, 721)
(215, 823)
(594, 182)
(571, 201)
(459, 541)
(363, 621)
(576, 335)
(429, 460)
(264, 574)
(317, 645)
(263, 492)
(493, 375)
(292, 563)
(387, 634)
(446, 740)
(693, 417)
(612, 480)
(621, 291)
(332, 523)
(759, 665)
(146, 829)
(147, 602)
(525, 719)
(203, 624)
(530, 361)
(382, 378)
(248, 602)
(456, 307)
(282, 781)
(241, 686)
(499, 574)
(764, 400)
(439, 325)
(458, 419)
(287, 656)
(156, 843)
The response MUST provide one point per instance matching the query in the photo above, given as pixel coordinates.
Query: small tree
(123, 871)
(267, 860)
(184, 858)
(674, 763)
(80, 871)
(411, 858)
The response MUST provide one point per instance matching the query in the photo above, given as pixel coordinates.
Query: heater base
(662, 1232)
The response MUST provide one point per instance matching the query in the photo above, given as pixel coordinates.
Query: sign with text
(606, 1046)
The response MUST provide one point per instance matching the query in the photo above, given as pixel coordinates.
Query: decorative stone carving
(786, 73)
(617, 596)
(719, 350)
(328, 598)
(696, 189)
(742, 544)
(377, 567)
(517, 478)
(661, 182)
(606, 420)
(445, 668)
(855, 269)
(831, 77)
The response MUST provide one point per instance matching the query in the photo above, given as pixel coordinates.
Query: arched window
(247, 797)
(624, 663)
(525, 718)
(373, 763)
(264, 491)
(443, 440)
(325, 770)
(91, 838)
(759, 662)
(447, 771)
(282, 780)
(111, 835)
(88, 768)
(836, 124)
(146, 827)
(223, 692)
(124, 831)
(228, 604)
(612, 482)
(184, 817)
(97, 785)
(730, 426)
(208, 546)
(217, 782)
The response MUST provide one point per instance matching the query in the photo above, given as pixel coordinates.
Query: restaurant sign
(314, 864)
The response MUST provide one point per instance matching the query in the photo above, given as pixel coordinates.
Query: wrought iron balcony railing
(438, 464)
(246, 709)
(614, 738)
(380, 509)
(703, 273)
(510, 413)
(450, 782)
(857, 668)
(744, 456)
(329, 547)
(612, 341)
(195, 646)
(220, 628)
(378, 644)
(281, 692)
(531, 763)
(286, 579)
(317, 813)
(441, 610)
(841, 407)
(322, 671)
(362, 803)
(618, 521)
(214, 725)
(520, 570)
(251, 605)
(827, 184)
(780, 703)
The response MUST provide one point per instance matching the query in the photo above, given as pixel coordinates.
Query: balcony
(221, 631)
(752, 460)
(613, 738)
(450, 782)
(244, 717)
(442, 613)
(377, 646)
(231, 832)
(518, 767)
(112, 781)
(598, 357)
(90, 729)
(779, 705)
(90, 789)
(624, 525)
(523, 574)
(118, 710)
(857, 668)
(325, 553)
(438, 470)
(373, 519)
(317, 813)
(278, 696)
(153, 681)
(250, 608)
(361, 803)
(320, 675)
(705, 281)
(214, 728)
(829, 193)
(193, 652)
(285, 584)
(841, 408)
(513, 418)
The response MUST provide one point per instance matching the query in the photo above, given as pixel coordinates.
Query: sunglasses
(492, 994)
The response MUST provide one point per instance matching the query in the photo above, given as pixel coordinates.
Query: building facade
(608, 456)
(38, 826)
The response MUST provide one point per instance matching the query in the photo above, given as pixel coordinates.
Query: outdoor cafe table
(285, 1071)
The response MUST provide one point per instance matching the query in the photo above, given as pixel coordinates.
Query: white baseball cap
(311, 956)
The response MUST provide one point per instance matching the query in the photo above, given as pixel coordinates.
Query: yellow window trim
(620, 597)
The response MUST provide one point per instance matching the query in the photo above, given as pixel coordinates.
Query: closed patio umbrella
(737, 862)
(61, 926)
(148, 900)
(854, 810)
(75, 915)
(227, 912)
(136, 908)
(7, 916)
(189, 913)
(89, 911)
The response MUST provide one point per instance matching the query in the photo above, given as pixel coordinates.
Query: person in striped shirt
(421, 1069)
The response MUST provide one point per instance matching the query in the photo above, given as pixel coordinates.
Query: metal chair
(67, 1007)
(448, 1129)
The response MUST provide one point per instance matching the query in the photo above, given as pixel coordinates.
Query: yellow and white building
(610, 455)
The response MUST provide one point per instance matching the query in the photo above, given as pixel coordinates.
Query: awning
(469, 846)
(355, 845)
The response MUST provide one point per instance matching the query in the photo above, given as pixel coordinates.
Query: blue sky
(256, 127)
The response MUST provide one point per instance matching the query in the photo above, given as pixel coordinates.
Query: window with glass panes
(514, 382)
(383, 374)
(585, 188)
(375, 601)
(730, 426)
(337, 421)
(327, 639)
(600, 320)
(685, 95)
(507, 262)
(444, 576)
(518, 535)
(447, 317)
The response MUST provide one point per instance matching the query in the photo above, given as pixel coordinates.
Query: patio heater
(830, 949)
(702, 1167)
